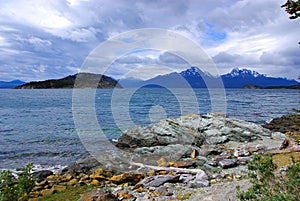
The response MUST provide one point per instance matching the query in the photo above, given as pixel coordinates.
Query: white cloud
(3, 42)
(79, 34)
(40, 13)
(237, 33)
(169, 59)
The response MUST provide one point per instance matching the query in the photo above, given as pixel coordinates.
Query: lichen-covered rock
(193, 130)
(183, 164)
(58, 188)
(160, 134)
(132, 177)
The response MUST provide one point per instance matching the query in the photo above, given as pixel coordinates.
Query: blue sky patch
(213, 34)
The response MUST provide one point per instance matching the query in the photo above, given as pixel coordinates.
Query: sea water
(38, 125)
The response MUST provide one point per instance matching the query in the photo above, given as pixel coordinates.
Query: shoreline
(214, 169)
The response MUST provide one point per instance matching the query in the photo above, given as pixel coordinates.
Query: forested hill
(83, 80)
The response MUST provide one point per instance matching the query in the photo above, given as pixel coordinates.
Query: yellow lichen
(283, 159)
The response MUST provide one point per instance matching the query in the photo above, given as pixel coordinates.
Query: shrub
(270, 185)
(12, 189)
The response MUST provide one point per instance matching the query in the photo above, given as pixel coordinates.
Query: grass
(268, 185)
(71, 194)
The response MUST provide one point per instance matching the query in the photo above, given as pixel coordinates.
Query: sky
(42, 39)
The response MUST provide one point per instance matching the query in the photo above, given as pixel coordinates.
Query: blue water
(38, 125)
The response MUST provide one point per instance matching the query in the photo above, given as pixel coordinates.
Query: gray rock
(201, 160)
(85, 165)
(156, 181)
(201, 175)
(42, 175)
(165, 198)
(241, 152)
(163, 191)
(171, 152)
(159, 134)
(210, 168)
(196, 130)
(244, 160)
(228, 163)
(186, 178)
(98, 194)
(201, 180)
(213, 163)
(221, 191)
(225, 155)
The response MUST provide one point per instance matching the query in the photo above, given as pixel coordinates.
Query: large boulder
(193, 130)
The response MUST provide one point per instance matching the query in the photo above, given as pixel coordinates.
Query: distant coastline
(251, 86)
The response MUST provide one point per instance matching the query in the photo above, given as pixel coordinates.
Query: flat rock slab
(156, 181)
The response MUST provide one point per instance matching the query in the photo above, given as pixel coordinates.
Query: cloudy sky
(43, 39)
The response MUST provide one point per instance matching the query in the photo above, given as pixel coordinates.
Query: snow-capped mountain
(196, 78)
(236, 72)
(194, 72)
(199, 79)
(238, 78)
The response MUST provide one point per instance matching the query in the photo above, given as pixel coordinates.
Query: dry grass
(283, 159)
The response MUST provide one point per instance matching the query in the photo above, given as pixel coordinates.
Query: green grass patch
(70, 194)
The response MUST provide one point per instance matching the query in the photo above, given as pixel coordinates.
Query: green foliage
(12, 189)
(292, 7)
(269, 185)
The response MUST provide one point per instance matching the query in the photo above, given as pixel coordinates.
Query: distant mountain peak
(11, 84)
(243, 72)
(194, 72)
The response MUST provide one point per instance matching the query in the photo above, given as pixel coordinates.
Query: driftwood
(170, 169)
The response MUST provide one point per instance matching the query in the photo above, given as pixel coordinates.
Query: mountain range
(192, 77)
(11, 84)
(195, 78)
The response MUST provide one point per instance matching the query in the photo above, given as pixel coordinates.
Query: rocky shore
(188, 158)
